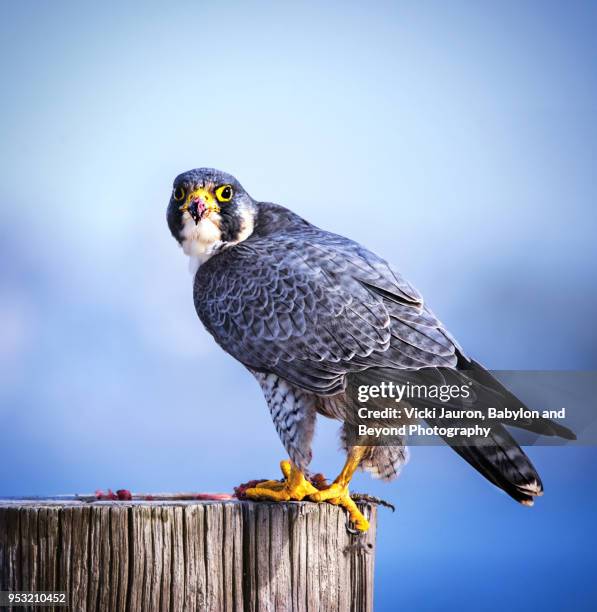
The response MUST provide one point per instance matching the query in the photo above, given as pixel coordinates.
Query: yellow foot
(294, 486)
(339, 495)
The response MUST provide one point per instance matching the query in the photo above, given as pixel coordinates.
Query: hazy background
(456, 139)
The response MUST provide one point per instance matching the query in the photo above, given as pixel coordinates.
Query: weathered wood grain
(187, 555)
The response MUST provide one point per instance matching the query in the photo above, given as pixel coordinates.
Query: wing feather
(312, 307)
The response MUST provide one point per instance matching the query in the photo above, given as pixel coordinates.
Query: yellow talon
(331, 492)
(294, 486)
(338, 495)
(285, 468)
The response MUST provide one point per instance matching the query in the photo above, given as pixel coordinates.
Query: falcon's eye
(179, 194)
(224, 193)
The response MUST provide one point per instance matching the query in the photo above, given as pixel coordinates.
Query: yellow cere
(207, 198)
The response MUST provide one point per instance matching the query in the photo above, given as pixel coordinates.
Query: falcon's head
(209, 210)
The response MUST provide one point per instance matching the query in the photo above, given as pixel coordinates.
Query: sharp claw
(338, 495)
(353, 531)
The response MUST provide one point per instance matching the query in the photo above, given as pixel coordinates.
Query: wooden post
(187, 555)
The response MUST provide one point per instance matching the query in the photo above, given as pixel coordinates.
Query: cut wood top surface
(161, 499)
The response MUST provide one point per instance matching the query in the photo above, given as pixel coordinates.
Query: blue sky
(455, 139)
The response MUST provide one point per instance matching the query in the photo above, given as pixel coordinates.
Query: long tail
(545, 427)
(498, 457)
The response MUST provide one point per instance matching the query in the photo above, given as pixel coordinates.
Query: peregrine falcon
(314, 316)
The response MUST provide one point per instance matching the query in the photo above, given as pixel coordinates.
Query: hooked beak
(199, 204)
(197, 209)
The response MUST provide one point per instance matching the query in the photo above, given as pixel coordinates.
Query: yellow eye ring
(179, 194)
(224, 193)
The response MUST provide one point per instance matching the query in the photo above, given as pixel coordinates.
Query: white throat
(201, 241)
